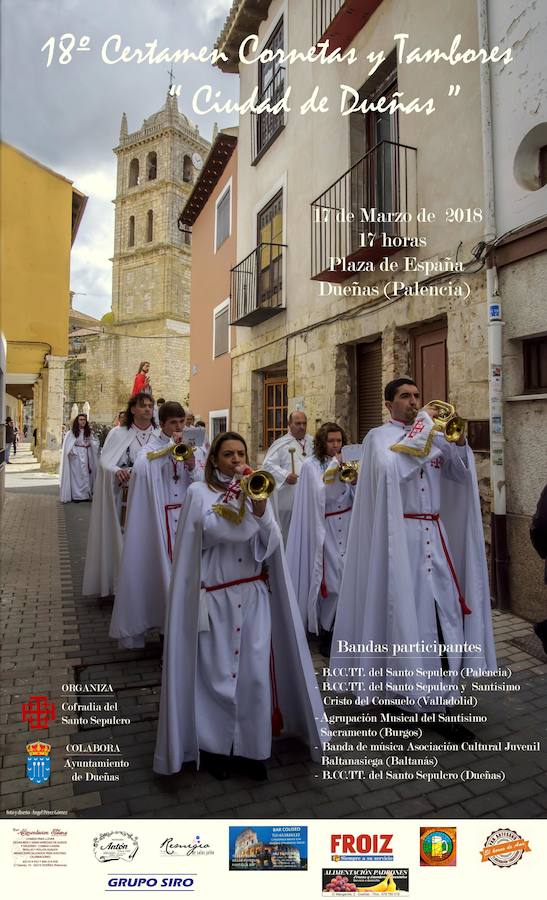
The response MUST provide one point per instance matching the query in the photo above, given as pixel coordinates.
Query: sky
(67, 116)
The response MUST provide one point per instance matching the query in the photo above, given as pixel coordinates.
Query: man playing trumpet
(159, 481)
(415, 603)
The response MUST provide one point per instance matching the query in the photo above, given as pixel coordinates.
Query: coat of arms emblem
(38, 762)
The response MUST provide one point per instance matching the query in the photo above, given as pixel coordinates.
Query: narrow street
(52, 636)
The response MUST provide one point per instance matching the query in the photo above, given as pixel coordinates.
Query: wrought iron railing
(265, 126)
(380, 191)
(257, 285)
(323, 12)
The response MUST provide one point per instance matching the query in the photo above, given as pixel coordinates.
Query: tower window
(133, 172)
(149, 225)
(151, 166)
(131, 235)
(187, 169)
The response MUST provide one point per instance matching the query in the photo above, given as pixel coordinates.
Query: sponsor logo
(437, 846)
(504, 848)
(196, 847)
(115, 845)
(38, 712)
(153, 882)
(38, 762)
(361, 847)
(380, 882)
(269, 848)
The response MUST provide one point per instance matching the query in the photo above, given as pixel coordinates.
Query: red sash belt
(434, 517)
(219, 587)
(167, 507)
(339, 512)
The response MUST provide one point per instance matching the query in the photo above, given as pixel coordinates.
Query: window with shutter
(223, 218)
(369, 387)
(221, 329)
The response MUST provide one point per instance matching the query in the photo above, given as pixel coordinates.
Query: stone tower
(150, 319)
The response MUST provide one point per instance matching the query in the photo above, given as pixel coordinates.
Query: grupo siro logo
(437, 846)
(195, 847)
(504, 848)
(155, 881)
(361, 847)
(113, 845)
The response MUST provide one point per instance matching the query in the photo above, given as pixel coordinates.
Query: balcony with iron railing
(339, 21)
(256, 288)
(266, 125)
(368, 213)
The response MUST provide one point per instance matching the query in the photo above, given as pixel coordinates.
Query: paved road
(53, 636)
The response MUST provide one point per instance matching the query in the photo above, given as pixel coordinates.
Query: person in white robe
(414, 603)
(157, 492)
(284, 460)
(105, 537)
(237, 668)
(79, 459)
(318, 533)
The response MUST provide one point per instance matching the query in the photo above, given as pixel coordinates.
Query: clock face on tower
(197, 160)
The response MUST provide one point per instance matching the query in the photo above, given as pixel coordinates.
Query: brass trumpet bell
(448, 421)
(179, 452)
(258, 486)
(348, 472)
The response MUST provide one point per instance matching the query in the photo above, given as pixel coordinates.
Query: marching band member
(104, 543)
(318, 533)
(284, 460)
(416, 569)
(79, 460)
(236, 664)
(158, 486)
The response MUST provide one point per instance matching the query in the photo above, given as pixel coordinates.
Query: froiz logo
(169, 847)
(374, 844)
(115, 845)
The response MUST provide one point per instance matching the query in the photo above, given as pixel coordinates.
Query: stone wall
(525, 422)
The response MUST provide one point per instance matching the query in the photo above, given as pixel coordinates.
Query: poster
(394, 795)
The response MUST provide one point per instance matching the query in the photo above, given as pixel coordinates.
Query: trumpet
(448, 421)
(347, 472)
(258, 485)
(179, 452)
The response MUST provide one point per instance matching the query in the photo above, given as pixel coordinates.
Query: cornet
(347, 472)
(447, 420)
(179, 452)
(258, 485)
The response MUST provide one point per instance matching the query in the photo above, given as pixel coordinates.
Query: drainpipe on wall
(498, 520)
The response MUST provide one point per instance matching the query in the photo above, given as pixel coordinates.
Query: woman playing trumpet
(318, 534)
(236, 663)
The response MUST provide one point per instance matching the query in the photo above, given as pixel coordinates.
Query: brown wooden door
(369, 387)
(275, 408)
(430, 362)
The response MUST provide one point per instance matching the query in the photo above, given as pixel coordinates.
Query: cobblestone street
(52, 636)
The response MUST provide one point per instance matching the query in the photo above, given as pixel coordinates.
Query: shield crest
(38, 762)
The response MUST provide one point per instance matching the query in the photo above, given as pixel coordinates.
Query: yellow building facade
(40, 215)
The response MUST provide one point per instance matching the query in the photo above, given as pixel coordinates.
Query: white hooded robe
(104, 542)
(216, 690)
(397, 586)
(156, 498)
(317, 541)
(79, 460)
(278, 462)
